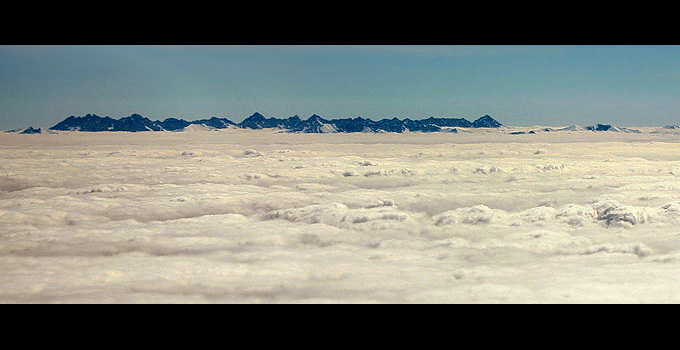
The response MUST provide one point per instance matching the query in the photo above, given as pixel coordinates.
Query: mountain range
(314, 124)
(294, 124)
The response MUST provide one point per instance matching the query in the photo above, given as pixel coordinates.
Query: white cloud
(180, 217)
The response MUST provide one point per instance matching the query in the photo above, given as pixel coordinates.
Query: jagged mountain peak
(31, 130)
(486, 122)
(315, 117)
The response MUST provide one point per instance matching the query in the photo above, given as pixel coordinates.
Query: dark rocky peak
(486, 122)
(134, 123)
(599, 127)
(358, 124)
(256, 117)
(390, 125)
(31, 130)
(215, 122)
(420, 125)
(255, 121)
(290, 122)
(456, 122)
(90, 122)
(316, 119)
(173, 124)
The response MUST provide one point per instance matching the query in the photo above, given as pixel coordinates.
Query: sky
(517, 85)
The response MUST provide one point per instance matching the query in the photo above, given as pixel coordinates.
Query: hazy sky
(518, 85)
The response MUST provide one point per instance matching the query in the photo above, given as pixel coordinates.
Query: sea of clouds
(258, 216)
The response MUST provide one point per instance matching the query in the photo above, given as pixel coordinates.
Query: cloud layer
(250, 216)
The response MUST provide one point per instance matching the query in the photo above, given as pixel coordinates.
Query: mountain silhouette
(314, 124)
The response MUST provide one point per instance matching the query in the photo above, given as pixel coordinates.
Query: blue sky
(518, 85)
